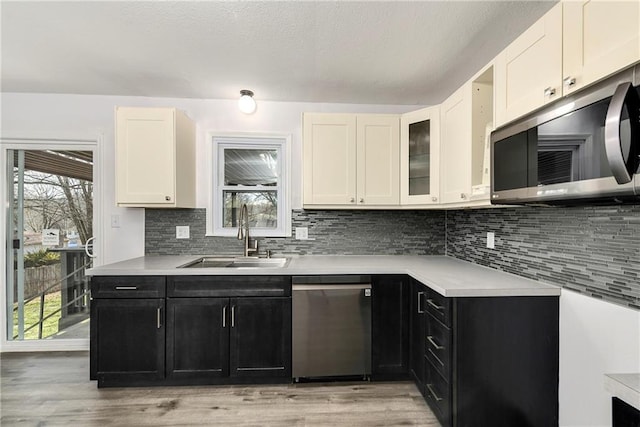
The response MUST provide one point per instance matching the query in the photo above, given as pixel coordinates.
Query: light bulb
(246, 103)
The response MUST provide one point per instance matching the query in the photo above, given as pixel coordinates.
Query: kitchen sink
(236, 262)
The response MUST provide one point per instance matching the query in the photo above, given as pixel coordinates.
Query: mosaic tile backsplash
(338, 232)
(592, 250)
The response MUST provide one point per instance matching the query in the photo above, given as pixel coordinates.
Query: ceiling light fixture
(246, 103)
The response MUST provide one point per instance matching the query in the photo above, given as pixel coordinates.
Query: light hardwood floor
(52, 389)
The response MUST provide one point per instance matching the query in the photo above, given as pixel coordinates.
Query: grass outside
(52, 303)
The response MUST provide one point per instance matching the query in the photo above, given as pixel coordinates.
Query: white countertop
(448, 276)
(625, 387)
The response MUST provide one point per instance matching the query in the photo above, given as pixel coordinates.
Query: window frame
(216, 143)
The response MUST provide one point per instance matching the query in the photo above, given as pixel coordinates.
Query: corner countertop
(448, 276)
(625, 387)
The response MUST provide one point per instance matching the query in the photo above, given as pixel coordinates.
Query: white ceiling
(372, 52)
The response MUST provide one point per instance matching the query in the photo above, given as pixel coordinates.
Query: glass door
(49, 221)
(420, 157)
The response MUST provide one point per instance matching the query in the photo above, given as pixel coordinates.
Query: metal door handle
(167, 198)
(463, 196)
(434, 344)
(435, 396)
(353, 200)
(550, 91)
(622, 171)
(159, 317)
(224, 316)
(126, 288)
(233, 316)
(89, 245)
(361, 200)
(434, 199)
(420, 309)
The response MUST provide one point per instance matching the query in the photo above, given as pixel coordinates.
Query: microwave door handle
(625, 94)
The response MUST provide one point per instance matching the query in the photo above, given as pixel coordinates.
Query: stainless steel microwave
(582, 149)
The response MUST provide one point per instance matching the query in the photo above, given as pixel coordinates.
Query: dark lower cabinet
(127, 330)
(212, 338)
(218, 330)
(390, 327)
(417, 327)
(197, 339)
(491, 361)
(623, 414)
(260, 340)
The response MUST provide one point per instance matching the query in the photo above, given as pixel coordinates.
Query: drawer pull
(433, 393)
(436, 357)
(420, 309)
(126, 288)
(434, 305)
(433, 343)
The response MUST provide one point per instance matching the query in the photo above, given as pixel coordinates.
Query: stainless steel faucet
(243, 232)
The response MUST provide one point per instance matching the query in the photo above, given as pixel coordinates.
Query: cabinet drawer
(437, 394)
(228, 286)
(439, 307)
(128, 287)
(438, 346)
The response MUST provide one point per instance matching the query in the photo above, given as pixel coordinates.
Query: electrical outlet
(115, 221)
(491, 239)
(182, 231)
(302, 233)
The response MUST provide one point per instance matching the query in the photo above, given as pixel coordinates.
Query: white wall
(52, 114)
(596, 338)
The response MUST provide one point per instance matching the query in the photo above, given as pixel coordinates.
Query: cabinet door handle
(433, 343)
(434, 199)
(361, 200)
(159, 317)
(433, 393)
(434, 305)
(167, 198)
(126, 288)
(420, 309)
(353, 200)
(550, 91)
(233, 316)
(463, 196)
(224, 316)
(569, 81)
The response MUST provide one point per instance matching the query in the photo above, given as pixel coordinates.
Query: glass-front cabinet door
(420, 157)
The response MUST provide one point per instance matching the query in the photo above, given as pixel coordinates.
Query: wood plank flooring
(52, 389)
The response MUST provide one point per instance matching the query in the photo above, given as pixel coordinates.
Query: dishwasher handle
(328, 287)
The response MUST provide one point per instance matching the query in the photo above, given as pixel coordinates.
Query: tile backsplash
(342, 232)
(593, 250)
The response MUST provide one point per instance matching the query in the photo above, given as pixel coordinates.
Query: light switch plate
(302, 233)
(182, 231)
(491, 239)
(115, 221)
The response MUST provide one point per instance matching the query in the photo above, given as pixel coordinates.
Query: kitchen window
(251, 170)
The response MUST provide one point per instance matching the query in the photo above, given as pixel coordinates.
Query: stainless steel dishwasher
(331, 326)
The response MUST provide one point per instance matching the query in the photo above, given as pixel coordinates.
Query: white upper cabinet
(600, 37)
(378, 164)
(420, 157)
(351, 160)
(529, 70)
(467, 121)
(456, 139)
(577, 42)
(155, 158)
